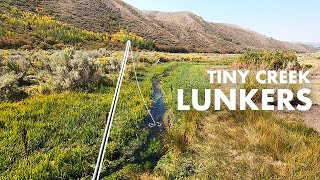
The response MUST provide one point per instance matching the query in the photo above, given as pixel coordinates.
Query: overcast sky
(289, 20)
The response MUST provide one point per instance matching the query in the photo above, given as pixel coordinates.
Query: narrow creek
(157, 110)
(158, 107)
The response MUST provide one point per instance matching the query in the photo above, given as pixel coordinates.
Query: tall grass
(257, 145)
(233, 144)
(268, 60)
(57, 136)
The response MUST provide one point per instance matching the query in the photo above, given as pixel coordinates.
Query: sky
(288, 20)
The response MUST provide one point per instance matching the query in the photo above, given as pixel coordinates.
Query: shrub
(75, 70)
(171, 49)
(272, 60)
(9, 89)
(308, 66)
(58, 46)
(44, 46)
(51, 40)
(46, 72)
(138, 42)
(6, 42)
(26, 47)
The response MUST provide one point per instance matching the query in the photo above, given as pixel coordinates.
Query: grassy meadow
(54, 133)
(56, 87)
(233, 144)
(53, 130)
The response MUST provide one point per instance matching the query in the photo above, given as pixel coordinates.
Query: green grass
(58, 136)
(232, 144)
(186, 76)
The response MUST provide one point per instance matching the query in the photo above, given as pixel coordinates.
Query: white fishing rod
(154, 123)
(111, 115)
(107, 130)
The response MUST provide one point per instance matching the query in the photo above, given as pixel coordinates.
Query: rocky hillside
(168, 30)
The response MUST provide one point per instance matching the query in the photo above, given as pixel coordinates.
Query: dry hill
(176, 29)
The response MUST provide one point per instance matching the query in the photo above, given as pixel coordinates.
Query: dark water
(157, 110)
(158, 107)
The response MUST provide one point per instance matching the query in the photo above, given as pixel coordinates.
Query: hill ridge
(181, 29)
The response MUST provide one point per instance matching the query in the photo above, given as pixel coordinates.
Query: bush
(44, 46)
(51, 40)
(58, 46)
(171, 49)
(137, 42)
(308, 66)
(26, 47)
(75, 70)
(44, 72)
(6, 42)
(271, 60)
(9, 89)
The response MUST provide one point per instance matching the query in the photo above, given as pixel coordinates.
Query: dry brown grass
(256, 145)
(311, 59)
(244, 145)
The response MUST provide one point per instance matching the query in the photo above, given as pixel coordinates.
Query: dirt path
(312, 117)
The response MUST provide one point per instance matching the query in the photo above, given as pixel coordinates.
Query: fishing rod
(111, 115)
(154, 123)
(107, 130)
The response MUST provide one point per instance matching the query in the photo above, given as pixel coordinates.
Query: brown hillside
(176, 29)
(192, 29)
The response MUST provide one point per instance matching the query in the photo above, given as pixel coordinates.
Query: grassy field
(56, 88)
(55, 133)
(232, 144)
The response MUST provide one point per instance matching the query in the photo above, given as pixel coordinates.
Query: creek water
(158, 107)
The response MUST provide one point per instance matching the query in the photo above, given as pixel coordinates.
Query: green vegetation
(172, 49)
(232, 144)
(138, 42)
(272, 60)
(54, 104)
(217, 59)
(43, 72)
(256, 145)
(53, 135)
(28, 30)
(54, 98)
(26, 73)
